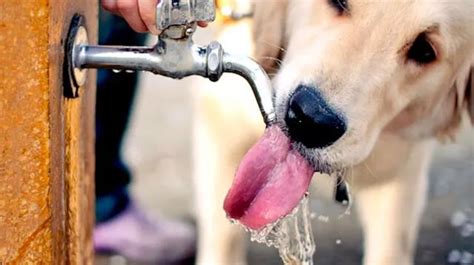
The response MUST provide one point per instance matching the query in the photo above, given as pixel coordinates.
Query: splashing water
(291, 235)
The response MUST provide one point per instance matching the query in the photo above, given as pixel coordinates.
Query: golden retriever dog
(366, 87)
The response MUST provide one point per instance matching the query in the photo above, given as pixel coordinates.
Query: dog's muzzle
(311, 121)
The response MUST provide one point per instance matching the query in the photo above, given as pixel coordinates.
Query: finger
(110, 5)
(147, 10)
(202, 24)
(129, 10)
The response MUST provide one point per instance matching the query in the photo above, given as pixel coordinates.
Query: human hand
(139, 14)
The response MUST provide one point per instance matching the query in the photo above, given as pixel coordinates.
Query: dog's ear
(269, 32)
(465, 91)
(460, 98)
(470, 94)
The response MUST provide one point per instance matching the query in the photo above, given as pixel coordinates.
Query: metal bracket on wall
(74, 77)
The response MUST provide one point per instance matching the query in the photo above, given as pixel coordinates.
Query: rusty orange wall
(76, 119)
(25, 215)
(46, 141)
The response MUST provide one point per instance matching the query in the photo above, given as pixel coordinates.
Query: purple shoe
(139, 238)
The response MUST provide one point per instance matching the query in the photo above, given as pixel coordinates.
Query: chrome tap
(175, 55)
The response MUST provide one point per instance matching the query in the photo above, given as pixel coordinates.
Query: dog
(362, 87)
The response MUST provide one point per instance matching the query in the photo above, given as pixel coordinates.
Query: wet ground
(158, 151)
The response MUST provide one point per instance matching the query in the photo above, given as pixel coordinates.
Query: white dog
(362, 86)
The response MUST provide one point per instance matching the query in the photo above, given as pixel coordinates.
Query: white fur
(394, 109)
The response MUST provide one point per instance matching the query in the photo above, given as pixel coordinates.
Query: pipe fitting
(215, 57)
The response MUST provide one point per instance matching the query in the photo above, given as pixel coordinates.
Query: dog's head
(347, 70)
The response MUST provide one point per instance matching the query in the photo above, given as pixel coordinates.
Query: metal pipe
(120, 58)
(258, 80)
(179, 60)
(176, 61)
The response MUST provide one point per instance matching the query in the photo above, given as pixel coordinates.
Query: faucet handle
(184, 12)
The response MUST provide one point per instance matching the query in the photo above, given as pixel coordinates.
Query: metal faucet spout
(258, 80)
(175, 55)
(179, 62)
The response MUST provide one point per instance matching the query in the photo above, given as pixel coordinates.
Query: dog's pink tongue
(270, 181)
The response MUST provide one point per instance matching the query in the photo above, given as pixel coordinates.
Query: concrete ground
(158, 151)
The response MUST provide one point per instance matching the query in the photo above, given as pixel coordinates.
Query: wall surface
(46, 141)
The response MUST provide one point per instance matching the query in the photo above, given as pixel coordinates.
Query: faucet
(175, 55)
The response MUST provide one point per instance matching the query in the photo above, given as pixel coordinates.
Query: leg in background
(391, 206)
(123, 228)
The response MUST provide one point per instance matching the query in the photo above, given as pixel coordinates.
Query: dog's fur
(395, 109)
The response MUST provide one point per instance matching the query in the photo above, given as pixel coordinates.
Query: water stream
(291, 235)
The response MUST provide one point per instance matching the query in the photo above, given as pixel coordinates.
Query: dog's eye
(339, 5)
(421, 51)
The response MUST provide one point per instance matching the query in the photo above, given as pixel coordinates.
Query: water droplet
(458, 219)
(117, 71)
(467, 230)
(466, 258)
(338, 242)
(189, 31)
(454, 256)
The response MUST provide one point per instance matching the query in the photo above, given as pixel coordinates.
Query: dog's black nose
(311, 120)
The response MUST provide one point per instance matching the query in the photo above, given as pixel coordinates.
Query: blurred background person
(122, 227)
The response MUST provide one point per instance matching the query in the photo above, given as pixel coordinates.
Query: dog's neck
(391, 156)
